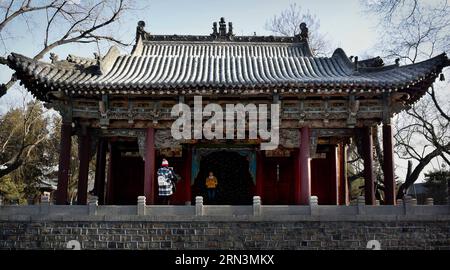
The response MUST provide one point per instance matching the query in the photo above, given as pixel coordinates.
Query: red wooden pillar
(259, 173)
(343, 181)
(100, 171)
(388, 168)
(83, 157)
(149, 175)
(334, 168)
(187, 159)
(305, 167)
(112, 162)
(369, 176)
(64, 162)
(297, 183)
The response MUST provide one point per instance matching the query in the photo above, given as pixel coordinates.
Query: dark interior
(233, 175)
(127, 174)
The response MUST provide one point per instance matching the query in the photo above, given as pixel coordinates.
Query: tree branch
(23, 9)
(438, 107)
(417, 170)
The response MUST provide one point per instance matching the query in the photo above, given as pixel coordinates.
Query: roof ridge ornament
(140, 31)
(304, 32)
(222, 32)
(54, 57)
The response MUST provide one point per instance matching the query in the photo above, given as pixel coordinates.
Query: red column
(343, 183)
(296, 177)
(100, 171)
(334, 167)
(294, 194)
(187, 158)
(64, 163)
(149, 177)
(388, 168)
(368, 166)
(110, 178)
(83, 157)
(305, 167)
(259, 173)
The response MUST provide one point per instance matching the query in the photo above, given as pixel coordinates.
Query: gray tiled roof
(181, 65)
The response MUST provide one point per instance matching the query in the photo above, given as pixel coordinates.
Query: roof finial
(222, 27)
(222, 31)
(356, 63)
(140, 31)
(54, 57)
(303, 36)
(215, 33)
(230, 28)
(304, 31)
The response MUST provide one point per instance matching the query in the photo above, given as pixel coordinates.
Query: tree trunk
(412, 177)
(10, 167)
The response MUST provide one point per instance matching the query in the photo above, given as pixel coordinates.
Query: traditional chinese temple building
(119, 107)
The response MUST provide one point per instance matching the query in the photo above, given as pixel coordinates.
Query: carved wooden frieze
(353, 107)
(164, 139)
(279, 152)
(290, 138)
(336, 112)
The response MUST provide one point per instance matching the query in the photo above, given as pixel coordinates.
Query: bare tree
(23, 129)
(413, 31)
(64, 21)
(390, 9)
(423, 134)
(51, 23)
(287, 23)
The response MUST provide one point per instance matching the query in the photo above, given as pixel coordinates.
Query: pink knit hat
(165, 163)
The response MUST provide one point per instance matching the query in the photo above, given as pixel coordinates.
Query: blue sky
(343, 23)
(342, 20)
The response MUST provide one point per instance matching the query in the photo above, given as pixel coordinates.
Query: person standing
(166, 181)
(211, 186)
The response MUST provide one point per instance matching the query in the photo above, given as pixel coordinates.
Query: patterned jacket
(166, 176)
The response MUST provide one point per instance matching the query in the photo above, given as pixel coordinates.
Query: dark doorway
(233, 175)
(127, 173)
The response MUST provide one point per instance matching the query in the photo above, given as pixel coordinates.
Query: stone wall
(403, 226)
(214, 233)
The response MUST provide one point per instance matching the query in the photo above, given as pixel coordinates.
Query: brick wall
(209, 234)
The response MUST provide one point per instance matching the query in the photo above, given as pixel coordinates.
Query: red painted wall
(281, 191)
(323, 181)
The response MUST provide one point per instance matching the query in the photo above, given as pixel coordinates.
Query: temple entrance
(126, 173)
(233, 174)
